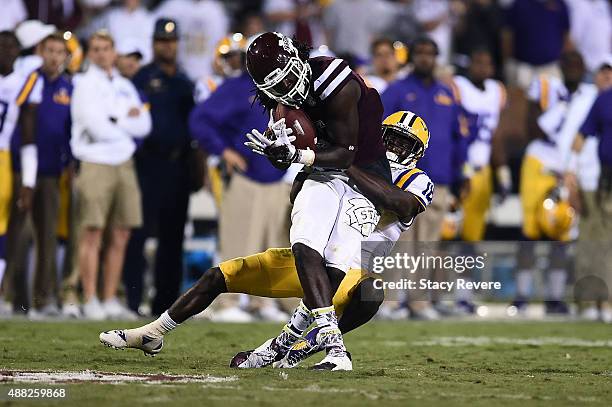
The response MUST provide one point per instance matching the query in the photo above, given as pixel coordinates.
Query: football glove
(278, 147)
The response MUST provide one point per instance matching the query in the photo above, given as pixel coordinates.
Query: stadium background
(347, 29)
(489, 354)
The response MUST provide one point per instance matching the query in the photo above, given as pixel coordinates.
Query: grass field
(456, 363)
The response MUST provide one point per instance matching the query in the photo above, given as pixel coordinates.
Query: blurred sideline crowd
(112, 113)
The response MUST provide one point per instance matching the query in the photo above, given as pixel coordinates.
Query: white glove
(259, 143)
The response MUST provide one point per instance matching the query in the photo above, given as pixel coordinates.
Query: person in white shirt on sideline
(107, 115)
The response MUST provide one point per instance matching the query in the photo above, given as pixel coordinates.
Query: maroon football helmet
(276, 68)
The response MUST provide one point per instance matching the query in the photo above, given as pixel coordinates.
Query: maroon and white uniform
(329, 76)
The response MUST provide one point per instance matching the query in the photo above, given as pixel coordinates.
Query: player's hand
(233, 161)
(278, 149)
(24, 200)
(134, 112)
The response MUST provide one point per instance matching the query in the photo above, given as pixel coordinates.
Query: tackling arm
(385, 195)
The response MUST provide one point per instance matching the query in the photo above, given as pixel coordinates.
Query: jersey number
(4, 110)
(429, 192)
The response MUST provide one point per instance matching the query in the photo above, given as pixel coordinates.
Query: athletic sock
(156, 329)
(524, 280)
(299, 322)
(331, 337)
(556, 284)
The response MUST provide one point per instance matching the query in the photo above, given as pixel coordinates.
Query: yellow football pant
(476, 205)
(273, 274)
(534, 185)
(6, 189)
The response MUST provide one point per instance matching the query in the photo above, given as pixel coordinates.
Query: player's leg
(313, 218)
(357, 218)
(356, 300)
(268, 274)
(534, 184)
(6, 188)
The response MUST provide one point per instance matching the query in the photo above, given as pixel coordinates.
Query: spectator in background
(130, 20)
(296, 18)
(129, 57)
(479, 26)
(107, 114)
(13, 12)
(535, 34)
(252, 24)
(385, 64)
(422, 94)
(585, 173)
(21, 94)
(65, 14)
(203, 24)
(596, 244)
(591, 30)
(255, 205)
(352, 25)
(52, 140)
(30, 34)
(163, 172)
(434, 18)
(554, 104)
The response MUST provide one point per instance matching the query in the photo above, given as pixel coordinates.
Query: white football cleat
(335, 361)
(301, 350)
(264, 355)
(122, 339)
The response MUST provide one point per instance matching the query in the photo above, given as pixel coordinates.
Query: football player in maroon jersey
(330, 218)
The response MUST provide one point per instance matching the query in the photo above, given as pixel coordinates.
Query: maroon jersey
(329, 76)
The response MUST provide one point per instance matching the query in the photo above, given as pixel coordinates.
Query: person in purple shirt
(536, 31)
(53, 125)
(254, 209)
(421, 93)
(435, 102)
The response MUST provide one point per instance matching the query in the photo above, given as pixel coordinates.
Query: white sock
(2, 268)
(556, 284)
(464, 294)
(158, 328)
(524, 281)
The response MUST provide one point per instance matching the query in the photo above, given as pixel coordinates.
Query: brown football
(303, 129)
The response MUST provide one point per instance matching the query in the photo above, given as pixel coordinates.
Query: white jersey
(389, 227)
(485, 105)
(561, 118)
(201, 25)
(16, 89)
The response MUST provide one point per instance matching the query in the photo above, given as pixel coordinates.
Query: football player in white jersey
(273, 273)
(484, 99)
(19, 96)
(555, 108)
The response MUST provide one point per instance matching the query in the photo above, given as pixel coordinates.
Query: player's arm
(343, 129)
(388, 196)
(29, 154)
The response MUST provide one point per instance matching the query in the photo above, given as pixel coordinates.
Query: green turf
(389, 368)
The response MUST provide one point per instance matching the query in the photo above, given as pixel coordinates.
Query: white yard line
(502, 340)
(105, 377)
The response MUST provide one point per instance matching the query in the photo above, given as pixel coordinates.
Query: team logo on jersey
(362, 216)
(443, 99)
(62, 97)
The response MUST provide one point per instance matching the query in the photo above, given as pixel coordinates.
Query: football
(303, 129)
